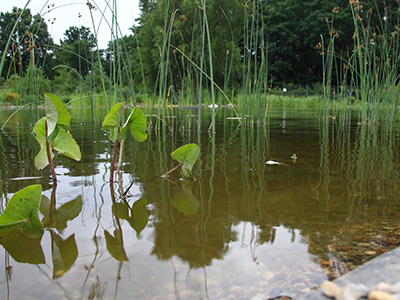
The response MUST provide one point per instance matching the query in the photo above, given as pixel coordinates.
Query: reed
(368, 74)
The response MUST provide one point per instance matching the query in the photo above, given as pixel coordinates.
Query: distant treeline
(171, 42)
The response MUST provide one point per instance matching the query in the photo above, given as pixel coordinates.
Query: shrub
(11, 97)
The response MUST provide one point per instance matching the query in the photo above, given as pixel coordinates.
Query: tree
(76, 49)
(31, 44)
(168, 28)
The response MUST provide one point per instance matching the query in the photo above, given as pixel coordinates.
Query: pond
(244, 229)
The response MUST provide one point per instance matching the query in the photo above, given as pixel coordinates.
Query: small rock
(235, 289)
(268, 275)
(363, 244)
(258, 297)
(396, 288)
(355, 291)
(379, 295)
(331, 289)
(383, 287)
(370, 252)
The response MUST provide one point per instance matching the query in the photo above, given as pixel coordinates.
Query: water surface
(242, 229)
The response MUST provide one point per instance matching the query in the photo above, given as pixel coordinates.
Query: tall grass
(368, 74)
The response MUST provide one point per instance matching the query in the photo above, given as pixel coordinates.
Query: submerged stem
(173, 169)
(51, 161)
(113, 161)
(120, 155)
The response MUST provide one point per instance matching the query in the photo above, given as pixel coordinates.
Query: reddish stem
(51, 161)
(173, 169)
(113, 161)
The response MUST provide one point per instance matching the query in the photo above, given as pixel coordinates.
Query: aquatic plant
(52, 134)
(187, 156)
(137, 124)
(22, 212)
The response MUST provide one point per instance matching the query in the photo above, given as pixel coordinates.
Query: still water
(243, 229)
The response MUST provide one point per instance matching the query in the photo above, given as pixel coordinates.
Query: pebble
(235, 289)
(379, 295)
(382, 291)
(370, 252)
(258, 297)
(330, 289)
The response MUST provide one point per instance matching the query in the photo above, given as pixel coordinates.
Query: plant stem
(113, 161)
(120, 155)
(173, 169)
(51, 161)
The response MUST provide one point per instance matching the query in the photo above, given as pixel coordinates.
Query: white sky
(65, 13)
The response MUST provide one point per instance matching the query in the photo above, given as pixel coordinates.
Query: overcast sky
(66, 13)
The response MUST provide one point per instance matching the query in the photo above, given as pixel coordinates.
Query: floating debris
(272, 162)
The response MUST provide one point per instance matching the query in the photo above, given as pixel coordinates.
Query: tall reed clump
(255, 61)
(369, 72)
(329, 65)
(375, 62)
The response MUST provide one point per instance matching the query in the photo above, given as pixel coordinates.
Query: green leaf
(39, 130)
(137, 124)
(140, 215)
(137, 216)
(186, 202)
(64, 254)
(115, 245)
(62, 215)
(187, 156)
(23, 249)
(22, 210)
(112, 118)
(64, 117)
(51, 115)
(66, 145)
(123, 132)
(114, 134)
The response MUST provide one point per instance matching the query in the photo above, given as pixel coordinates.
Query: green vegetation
(215, 52)
(22, 212)
(187, 156)
(136, 123)
(52, 134)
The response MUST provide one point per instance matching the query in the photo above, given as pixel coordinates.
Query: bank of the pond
(385, 268)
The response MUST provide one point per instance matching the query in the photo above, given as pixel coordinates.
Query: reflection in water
(241, 229)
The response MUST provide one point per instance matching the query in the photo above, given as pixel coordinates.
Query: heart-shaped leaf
(39, 130)
(51, 115)
(23, 249)
(115, 245)
(186, 203)
(112, 118)
(64, 254)
(63, 117)
(62, 215)
(137, 124)
(22, 211)
(187, 156)
(66, 145)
